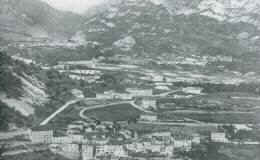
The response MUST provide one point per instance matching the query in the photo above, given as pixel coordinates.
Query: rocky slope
(23, 19)
(19, 88)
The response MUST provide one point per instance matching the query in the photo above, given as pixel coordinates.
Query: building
(218, 137)
(77, 93)
(148, 117)
(70, 148)
(115, 150)
(90, 64)
(192, 90)
(135, 92)
(106, 95)
(61, 140)
(196, 138)
(183, 144)
(123, 96)
(157, 78)
(149, 103)
(77, 138)
(88, 152)
(41, 135)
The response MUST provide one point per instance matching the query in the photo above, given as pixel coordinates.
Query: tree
(3, 149)
(230, 131)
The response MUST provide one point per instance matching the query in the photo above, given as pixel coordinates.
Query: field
(214, 117)
(150, 128)
(121, 112)
(241, 152)
(221, 101)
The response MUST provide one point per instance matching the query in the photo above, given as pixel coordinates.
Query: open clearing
(120, 112)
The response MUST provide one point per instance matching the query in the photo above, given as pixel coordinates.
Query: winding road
(62, 108)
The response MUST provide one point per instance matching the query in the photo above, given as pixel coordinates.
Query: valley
(130, 79)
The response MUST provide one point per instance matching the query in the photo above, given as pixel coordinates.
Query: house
(41, 134)
(77, 138)
(115, 150)
(161, 87)
(157, 78)
(61, 140)
(77, 93)
(76, 126)
(161, 138)
(88, 152)
(123, 96)
(192, 90)
(218, 137)
(196, 138)
(106, 95)
(75, 129)
(136, 147)
(149, 103)
(136, 92)
(148, 117)
(72, 149)
(183, 144)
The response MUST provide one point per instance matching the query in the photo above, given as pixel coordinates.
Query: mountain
(148, 28)
(23, 19)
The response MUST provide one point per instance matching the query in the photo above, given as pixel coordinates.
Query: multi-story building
(41, 135)
(88, 152)
(218, 137)
(115, 150)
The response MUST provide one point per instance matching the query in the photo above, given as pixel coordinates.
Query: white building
(115, 150)
(196, 138)
(157, 78)
(77, 93)
(70, 148)
(88, 152)
(123, 96)
(219, 137)
(61, 140)
(192, 90)
(149, 103)
(183, 144)
(147, 117)
(41, 135)
(107, 95)
(135, 92)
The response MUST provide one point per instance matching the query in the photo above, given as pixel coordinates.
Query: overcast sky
(78, 6)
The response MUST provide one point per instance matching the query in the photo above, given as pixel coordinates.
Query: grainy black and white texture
(129, 79)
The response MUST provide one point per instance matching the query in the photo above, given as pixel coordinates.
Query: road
(210, 112)
(62, 108)
(201, 124)
(81, 114)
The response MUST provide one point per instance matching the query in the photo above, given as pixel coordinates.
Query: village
(133, 122)
(90, 138)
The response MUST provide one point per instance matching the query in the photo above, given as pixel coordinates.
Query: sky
(77, 6)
